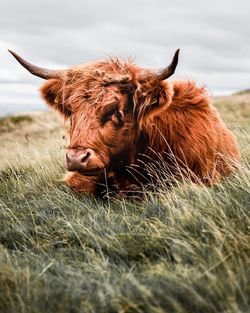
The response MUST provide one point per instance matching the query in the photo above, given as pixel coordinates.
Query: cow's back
(191, 136)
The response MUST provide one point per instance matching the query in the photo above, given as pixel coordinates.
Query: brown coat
(130, 125)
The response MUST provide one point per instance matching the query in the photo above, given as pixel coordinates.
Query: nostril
(85, 157)
(67, 158)
(78, 160)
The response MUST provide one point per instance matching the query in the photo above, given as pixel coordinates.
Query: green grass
(181, 249)
(9, 123)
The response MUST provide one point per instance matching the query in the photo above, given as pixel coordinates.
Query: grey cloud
(213, 36)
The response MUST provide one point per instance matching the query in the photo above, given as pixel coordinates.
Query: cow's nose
(77, 160)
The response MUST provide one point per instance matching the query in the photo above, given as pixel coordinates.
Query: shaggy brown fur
(130, 118)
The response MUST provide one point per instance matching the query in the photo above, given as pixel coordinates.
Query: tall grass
(179, 249)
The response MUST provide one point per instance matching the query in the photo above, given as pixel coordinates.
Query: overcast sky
(214, 37)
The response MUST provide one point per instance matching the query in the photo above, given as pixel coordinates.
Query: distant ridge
(242, 92)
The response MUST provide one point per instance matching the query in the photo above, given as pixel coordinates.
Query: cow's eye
(117, 117)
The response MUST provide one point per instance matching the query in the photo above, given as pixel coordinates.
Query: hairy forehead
(102, 72)
(99, 83)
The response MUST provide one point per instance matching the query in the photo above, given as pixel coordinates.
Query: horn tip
(177, 52)
(13, 53)
(10, 51)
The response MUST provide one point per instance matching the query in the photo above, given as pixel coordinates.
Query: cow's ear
(51, 91)
(151, 98)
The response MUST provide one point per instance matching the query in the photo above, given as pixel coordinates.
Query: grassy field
(184, 249)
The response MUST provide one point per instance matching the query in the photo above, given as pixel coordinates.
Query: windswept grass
(10, 123)
(182, 249)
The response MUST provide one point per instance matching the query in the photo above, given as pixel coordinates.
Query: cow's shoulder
(188, 94)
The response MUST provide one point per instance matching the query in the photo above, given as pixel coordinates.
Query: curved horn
(36, 70)
(168, 71)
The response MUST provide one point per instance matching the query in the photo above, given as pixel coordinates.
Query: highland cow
(124, 118)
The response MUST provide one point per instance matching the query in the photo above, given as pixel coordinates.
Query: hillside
(184, 249)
